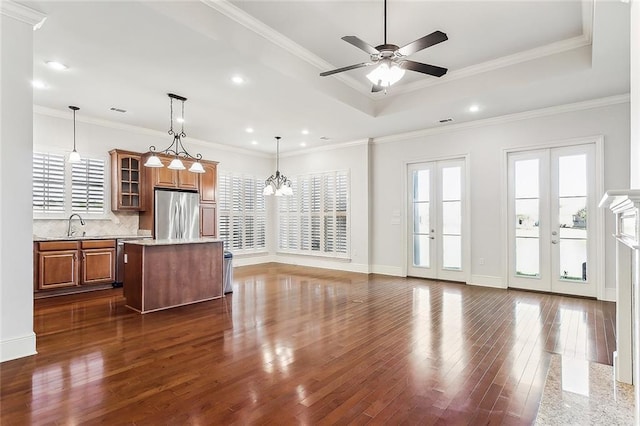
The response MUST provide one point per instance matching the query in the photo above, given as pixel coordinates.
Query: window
(48, 183)
(315, 219)
(59, 190)
(242, 213)
(87, 186)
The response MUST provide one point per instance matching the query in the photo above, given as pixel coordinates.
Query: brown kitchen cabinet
(208, 220)
(163, 177)
(67, 264)
(58, 264)
(127, 181)
(209, 182)
(98, 261)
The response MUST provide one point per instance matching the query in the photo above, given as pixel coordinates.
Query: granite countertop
(150, 242)
(90, 237)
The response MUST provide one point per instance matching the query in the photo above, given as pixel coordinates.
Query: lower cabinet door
(208, 220)
(57, 269)
(98, 266)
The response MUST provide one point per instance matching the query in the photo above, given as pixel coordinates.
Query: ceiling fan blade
(376, 88)
(350, 67)
(361, 44)
(422, 43)
(423, 68)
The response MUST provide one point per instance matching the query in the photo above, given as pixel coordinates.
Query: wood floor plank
(296, 345)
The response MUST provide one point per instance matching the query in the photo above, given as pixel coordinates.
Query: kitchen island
(162, 274)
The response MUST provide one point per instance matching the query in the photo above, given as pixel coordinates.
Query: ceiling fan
(391, 58)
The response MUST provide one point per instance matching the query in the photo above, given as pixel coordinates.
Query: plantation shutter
(48, 183)
(87, 186)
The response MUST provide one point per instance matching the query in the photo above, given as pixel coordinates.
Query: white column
(17, 338)
(623, 355)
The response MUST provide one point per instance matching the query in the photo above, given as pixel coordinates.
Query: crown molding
(543, 112)
(22, 13)
(324, 148)
(37, 109)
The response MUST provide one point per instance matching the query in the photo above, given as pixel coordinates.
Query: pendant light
(74, 157)
(277, 184)
(176, 149)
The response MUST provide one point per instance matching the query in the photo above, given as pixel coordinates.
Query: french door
(436, 214)
(552, 204)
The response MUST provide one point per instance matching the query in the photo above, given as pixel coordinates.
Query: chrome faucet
(69, 232)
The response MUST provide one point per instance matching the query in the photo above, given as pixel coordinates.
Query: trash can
(227, 272)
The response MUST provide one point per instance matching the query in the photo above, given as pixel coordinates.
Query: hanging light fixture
(74, 157)
(277, 184)
(176, 149)
(386, 74)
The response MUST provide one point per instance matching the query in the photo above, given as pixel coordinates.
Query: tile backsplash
(116, 224)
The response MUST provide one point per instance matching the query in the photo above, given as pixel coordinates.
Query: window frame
(225, 209)
(68, 188)
(302, 219)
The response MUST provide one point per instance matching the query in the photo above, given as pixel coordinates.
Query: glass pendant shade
(74, 157)
(386, 74)
(176, 164)
(196, 168)
(268, 190)
(153, 161)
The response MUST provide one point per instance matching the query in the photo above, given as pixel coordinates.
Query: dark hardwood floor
(295, 345)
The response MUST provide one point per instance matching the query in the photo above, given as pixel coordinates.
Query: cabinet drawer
(57, 245)
(96, 244)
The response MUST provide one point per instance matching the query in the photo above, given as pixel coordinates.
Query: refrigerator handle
(176, 221)
(182, 219)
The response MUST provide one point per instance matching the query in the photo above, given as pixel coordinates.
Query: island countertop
(171, 242)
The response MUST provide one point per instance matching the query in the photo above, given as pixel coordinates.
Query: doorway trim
(598, 140)
(466, 217)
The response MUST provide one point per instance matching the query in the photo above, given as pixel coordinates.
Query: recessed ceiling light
(39, 84)
(249, 129)
(56, 65)
(254, 142)
(474, 108)
(236, 79)
(303, 144)
(305, 132)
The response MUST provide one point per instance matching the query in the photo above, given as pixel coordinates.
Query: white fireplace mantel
(625, 204)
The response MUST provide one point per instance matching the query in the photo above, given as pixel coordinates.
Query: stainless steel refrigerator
(177, 214)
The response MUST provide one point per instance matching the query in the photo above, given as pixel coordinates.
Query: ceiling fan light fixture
(386, 74)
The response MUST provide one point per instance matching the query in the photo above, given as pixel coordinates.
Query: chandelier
(176, 149)
(277, 184)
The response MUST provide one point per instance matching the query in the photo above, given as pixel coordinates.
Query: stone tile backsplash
(116, 224)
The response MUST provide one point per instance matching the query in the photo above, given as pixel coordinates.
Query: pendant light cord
(74, 129)
(385, 21)
(277, 153)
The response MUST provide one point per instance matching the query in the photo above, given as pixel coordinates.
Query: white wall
(635, 95)
(16, 250)
(486, 145)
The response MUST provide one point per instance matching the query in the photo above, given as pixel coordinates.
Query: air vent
(446, 120)
(324, 138)
(118, 110)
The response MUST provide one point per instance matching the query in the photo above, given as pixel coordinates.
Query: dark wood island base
(162, 274)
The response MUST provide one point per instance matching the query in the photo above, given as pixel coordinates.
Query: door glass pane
(421, 182)
(572, 175)
(573, 259)
(527, 257)
(451, 252)
(527, 218)
(451, 218)
(421, 251)
(421, 218)
(526, 179)
(451, 185)
(572, 217)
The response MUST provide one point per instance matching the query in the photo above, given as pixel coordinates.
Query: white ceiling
(504, 56)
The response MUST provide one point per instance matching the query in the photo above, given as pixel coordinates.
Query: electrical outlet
(481, 261)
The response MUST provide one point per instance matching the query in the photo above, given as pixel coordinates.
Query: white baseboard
(609, 294)
(387, 270)
(318, 262)
(487, 281)
(253, 259)
(18, 347)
